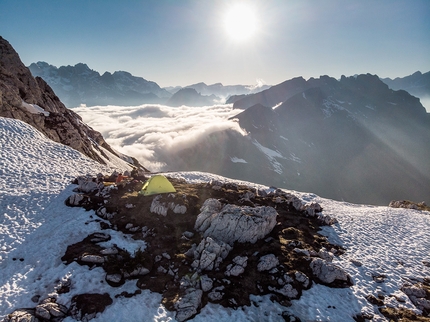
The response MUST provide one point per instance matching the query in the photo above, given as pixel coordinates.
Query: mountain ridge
(353, 139)
(81, 85)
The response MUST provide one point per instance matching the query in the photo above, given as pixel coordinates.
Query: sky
(188, 41)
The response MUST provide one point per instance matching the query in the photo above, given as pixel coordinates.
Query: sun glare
(240, 22)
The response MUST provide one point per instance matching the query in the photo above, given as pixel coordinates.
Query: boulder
(238, 266)
(267, 262)
(210, 253)
(327, 272)
(50, 310)
(188, 304)
(21, 315)
(161, 207)
(232, 223)
(206, 283)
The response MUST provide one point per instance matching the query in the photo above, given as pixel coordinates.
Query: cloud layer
(148, 131)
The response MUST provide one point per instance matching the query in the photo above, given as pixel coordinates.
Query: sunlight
(240, 22)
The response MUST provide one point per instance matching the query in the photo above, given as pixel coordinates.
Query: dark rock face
(18, 86)
(79, 84)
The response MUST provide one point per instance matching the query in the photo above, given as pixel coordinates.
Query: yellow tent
(157, 184)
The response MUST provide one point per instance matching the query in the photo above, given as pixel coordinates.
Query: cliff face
(31, 100)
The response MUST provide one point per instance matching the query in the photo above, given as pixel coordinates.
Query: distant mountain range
(352, 139)
(79, 84)
(76, 85)
(220, 90)
(417, 84)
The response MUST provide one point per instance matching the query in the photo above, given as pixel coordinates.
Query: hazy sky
(186, 41)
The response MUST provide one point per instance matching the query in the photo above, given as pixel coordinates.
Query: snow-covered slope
(36, 227)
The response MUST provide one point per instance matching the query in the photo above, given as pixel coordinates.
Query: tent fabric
(157, 184)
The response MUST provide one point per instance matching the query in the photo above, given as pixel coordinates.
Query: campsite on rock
(211, 242)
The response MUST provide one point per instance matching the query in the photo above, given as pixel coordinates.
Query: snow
(237, 160)
(271, 155)
(36, 227)
(34, 109)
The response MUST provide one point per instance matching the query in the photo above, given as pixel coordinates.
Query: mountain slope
(79, 84)
(31, 100)
(353, 139)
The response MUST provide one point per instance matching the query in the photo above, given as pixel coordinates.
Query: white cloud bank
(143, 131)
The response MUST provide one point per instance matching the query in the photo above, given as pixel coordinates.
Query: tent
(157, 184)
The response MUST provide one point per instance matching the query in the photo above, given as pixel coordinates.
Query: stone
(158, 207)
(188, 304)
(50, 310)
(76, 200)
(232, 223)
(87, 185)
(287, 290)
(216, 294)
(206, 283)
(238, 266)
(327, 272)
(92, 259)
(312, 209)
(209, 254)
(138, 271)
(109, 251)
(100, 237)
(21, 315)
(188, 234)
(267, 262)
(302, 278)
(114, 278)
(324, 254)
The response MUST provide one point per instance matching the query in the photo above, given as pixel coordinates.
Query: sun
(240, 22)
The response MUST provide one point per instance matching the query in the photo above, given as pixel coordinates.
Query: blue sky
(184, 42)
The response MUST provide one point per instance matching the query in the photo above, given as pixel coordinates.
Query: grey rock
(92, 259)
(188, 304)
(267, 262)
(21, 315)
(287, 290)
(210, 253)
(114, 278)
(328, 272)
(50, 310)
(302, 278)
(232, 223)
(206, 283)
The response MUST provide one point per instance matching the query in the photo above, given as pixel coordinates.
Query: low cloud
(147, 132)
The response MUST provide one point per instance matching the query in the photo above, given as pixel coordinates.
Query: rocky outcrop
(232, 223)
(31, 100)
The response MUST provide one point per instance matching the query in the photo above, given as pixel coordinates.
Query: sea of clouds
(149, 131)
